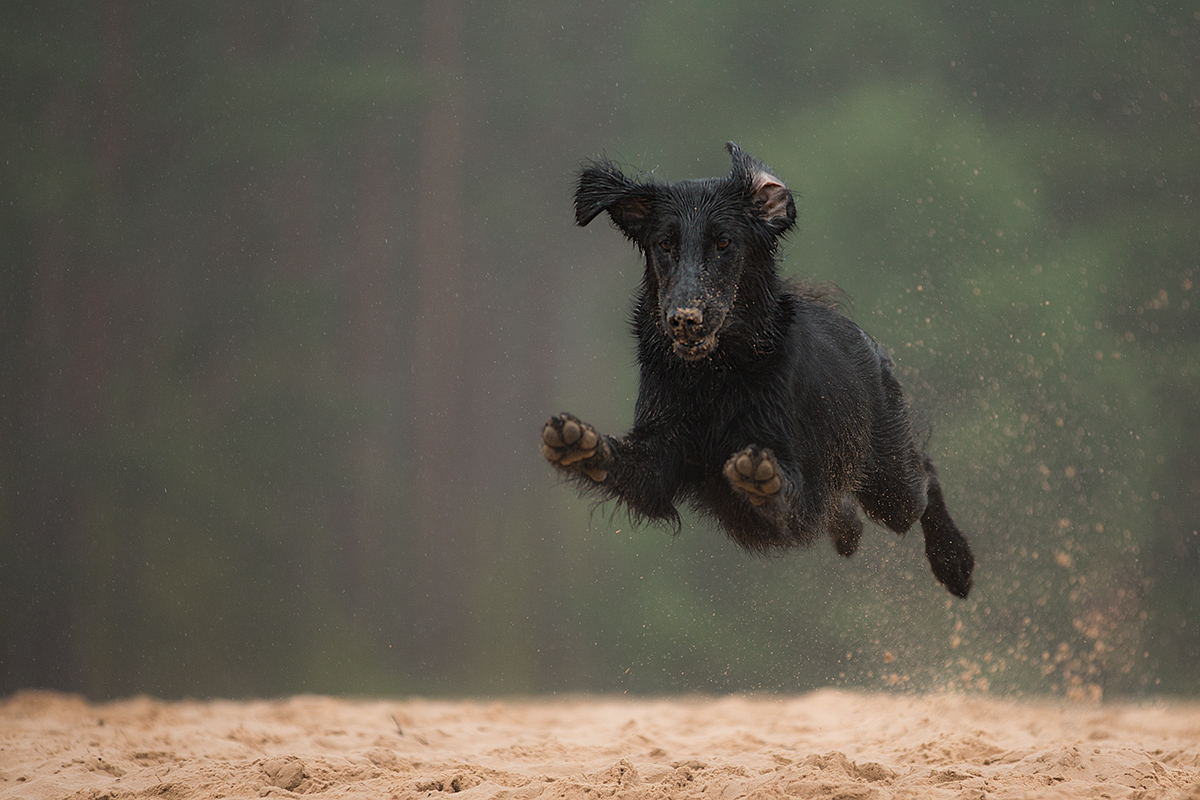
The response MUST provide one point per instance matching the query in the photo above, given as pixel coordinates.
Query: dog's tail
(946, 547)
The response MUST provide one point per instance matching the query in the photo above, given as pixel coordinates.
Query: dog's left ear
(772, 201)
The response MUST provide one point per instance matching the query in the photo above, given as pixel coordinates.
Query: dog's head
(700, 238)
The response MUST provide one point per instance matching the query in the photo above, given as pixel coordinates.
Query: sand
(828, 744)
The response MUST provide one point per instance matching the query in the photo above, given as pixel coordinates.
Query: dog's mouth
(694, 351)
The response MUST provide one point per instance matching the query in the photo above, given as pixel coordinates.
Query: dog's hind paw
(951, 560)
(575, 446)
(754, 472)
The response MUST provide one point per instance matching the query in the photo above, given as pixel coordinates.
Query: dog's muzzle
(691, 339)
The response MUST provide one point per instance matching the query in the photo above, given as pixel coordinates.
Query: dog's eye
(723, 242)
(666, 245)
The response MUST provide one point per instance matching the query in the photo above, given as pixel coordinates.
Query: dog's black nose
(686, 323)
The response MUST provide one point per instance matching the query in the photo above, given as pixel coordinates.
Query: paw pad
(756, 474)
(574, 445)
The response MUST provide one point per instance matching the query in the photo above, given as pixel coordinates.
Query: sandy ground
(829, 744)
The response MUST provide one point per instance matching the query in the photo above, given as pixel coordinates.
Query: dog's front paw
(573, 445)
(755, 473)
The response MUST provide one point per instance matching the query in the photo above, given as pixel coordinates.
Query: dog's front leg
(636, 469)
(788, 500)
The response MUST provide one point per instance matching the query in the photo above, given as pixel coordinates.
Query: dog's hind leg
(895, 492)
(773, 506)
(897, 498)
(845, 527)
(946, 547)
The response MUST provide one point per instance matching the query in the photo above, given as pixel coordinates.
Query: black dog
(758, 402)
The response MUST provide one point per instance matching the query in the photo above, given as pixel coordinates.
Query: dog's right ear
(603, 187)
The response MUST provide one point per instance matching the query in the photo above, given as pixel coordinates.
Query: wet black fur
(733, 358)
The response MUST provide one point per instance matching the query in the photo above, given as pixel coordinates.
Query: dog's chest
(711, 412)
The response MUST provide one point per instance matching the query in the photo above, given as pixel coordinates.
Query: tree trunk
(444, 549)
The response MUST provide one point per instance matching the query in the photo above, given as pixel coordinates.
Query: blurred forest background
(288, 290)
